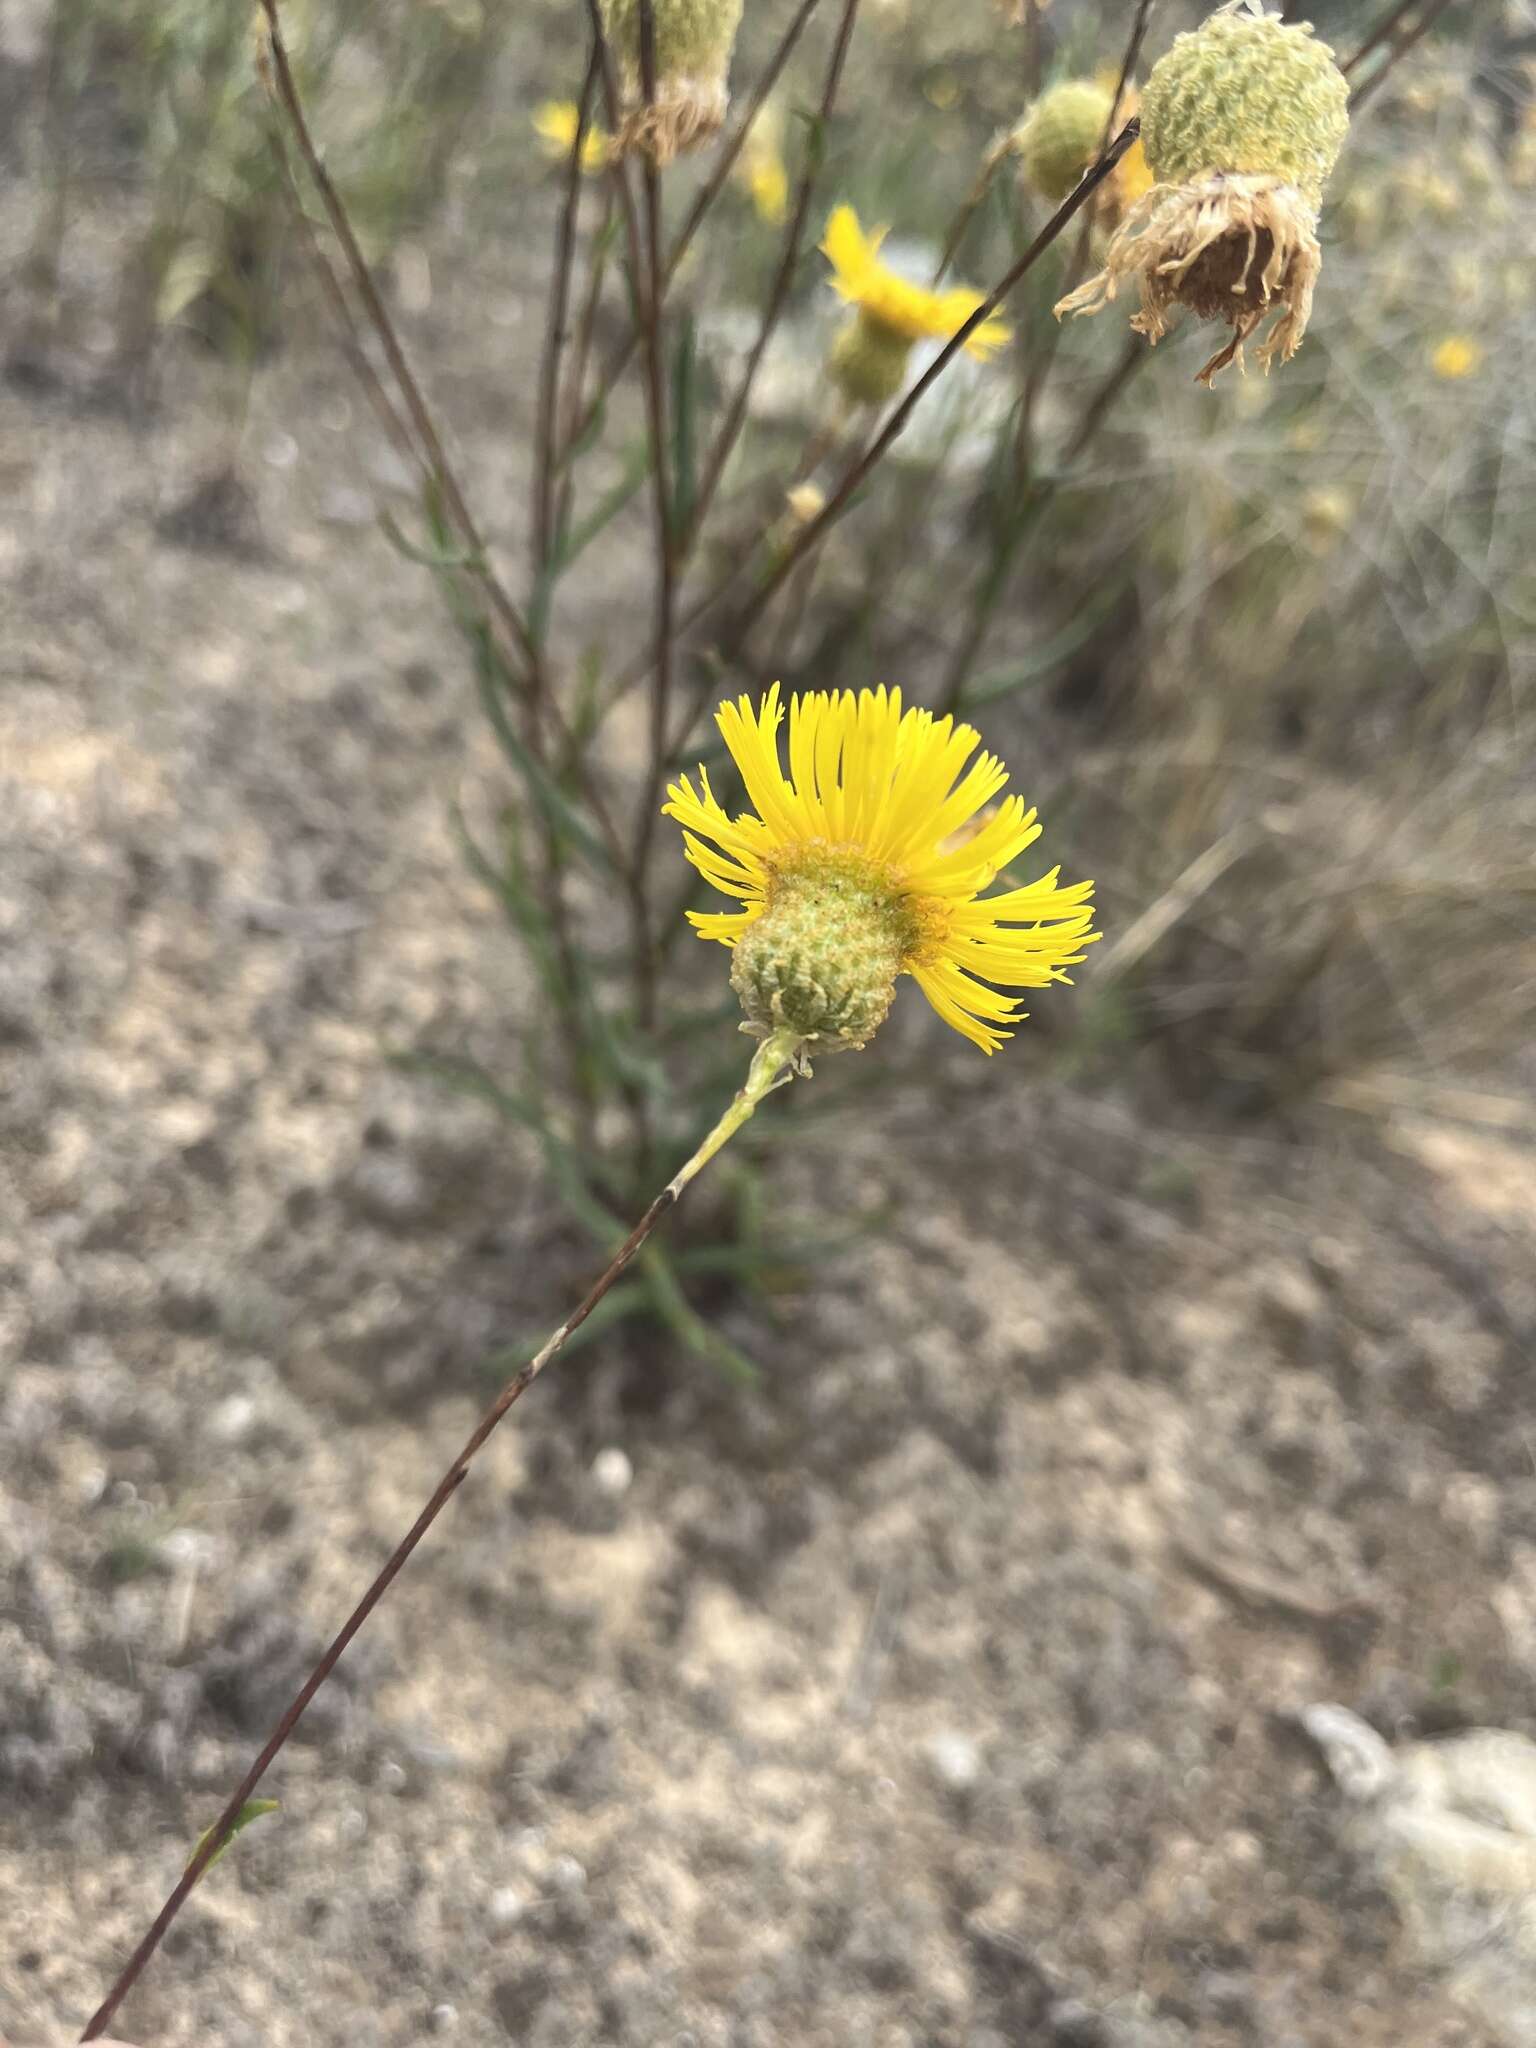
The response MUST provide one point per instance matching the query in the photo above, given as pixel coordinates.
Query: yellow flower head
(1456, 356)
(890, 301)
(760, 167)
(867, 861)
(556, 121)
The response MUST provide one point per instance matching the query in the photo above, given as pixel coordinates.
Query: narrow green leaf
(563, 816)
(253, 1810)
(429, 558)
(1039, 664)
(685, 1322)
(572, 544)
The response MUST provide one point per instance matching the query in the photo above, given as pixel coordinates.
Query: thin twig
(383, 326)
(767, 1069)
(1378, 35)
(997, 155)
(709, 192)
(581, 356)
(430, 454)
(646, 263)
(1400, 49)
(554, 338)
(789, 263)
(367, 376)
(1098, 408)
(837, 504)
(1043, 358)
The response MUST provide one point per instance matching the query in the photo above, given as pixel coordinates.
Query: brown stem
(554, 337)
(410, 391)
(991, 164)
(444, 1491)
(767, 1069)
(395, 429)
(1401, 47)
(581, 356)
(430, 454)
(708, 194)
(1043, 359)
(789, 263)
(811, 534)
(645, 261)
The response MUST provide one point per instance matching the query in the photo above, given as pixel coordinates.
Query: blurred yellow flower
(1456, 356)
(760, 167)
(806, 502)
(555, 122)
(852, 869)
(903, 309)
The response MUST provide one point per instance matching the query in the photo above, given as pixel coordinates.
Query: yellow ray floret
(555, 123)
(906, 309)
(895, 812)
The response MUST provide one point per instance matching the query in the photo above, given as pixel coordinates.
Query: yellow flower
(1456, 356)
(555, 122)
(855, 868)
(760, 167)
(904, 309)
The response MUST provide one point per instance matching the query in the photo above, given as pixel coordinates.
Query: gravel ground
(942, 1691)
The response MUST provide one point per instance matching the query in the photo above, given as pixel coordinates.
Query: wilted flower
(1242, 120)
(856, 868)
(869, 357)
(693, 40)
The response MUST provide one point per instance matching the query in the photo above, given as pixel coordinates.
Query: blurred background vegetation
(1262, 655)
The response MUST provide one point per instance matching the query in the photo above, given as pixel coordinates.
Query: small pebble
(567, 1875)
(231, 1420)
(444, 2018)
(954, 1760)
(505, 1907)
(612, 1473)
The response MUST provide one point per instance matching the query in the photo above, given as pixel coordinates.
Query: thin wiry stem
(410, 391)
(708, 194)
(996, 156)
(811, 534)
(431, 455)
(1043, 360)
(581, 356)
(646, 262)
(769, 1063)
(1400, 48)
(335, 296)
(554, 338)
(1379, 34)
(789, 263)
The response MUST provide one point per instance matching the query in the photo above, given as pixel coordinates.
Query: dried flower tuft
(1242, 122)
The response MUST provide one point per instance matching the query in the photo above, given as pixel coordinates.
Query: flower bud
(868, 362)
(1064, 134)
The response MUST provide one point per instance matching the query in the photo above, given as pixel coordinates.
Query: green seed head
(1062, 135)
(1245, 94)
(868, 363)
(693, 37)
(823, 958)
